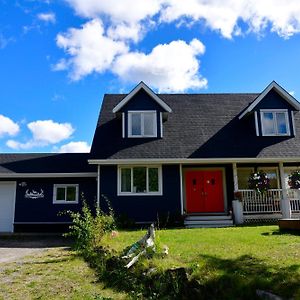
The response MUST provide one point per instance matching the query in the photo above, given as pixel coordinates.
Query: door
(7, 206)
(204, 191)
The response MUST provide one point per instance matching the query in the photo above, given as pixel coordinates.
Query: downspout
(98, 187)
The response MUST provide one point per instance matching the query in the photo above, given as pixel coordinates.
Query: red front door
(204, 191)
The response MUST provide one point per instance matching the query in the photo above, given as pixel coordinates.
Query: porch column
(285, 202)
(235, 177)
(98, 187)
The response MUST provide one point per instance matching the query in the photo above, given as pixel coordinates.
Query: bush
(88, 228)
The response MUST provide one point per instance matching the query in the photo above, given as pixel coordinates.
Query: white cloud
(169, 67)
(8, 126)
(75, 147)
(44, 132)
(4, 41)
(47, 17)
(283, 17)
(89, 50)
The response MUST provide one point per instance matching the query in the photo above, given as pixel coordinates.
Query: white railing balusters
(268, 202)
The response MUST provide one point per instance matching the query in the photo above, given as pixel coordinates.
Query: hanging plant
(259, 182)
(294, 180)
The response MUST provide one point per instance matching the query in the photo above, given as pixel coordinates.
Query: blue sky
(58, 58)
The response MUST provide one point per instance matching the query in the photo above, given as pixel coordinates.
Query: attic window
(142, 124)
(274, 122)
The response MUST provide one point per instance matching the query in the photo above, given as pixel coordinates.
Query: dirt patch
(14, 248)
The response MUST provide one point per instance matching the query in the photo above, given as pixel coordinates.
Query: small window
(243, 177)
(273, 175)
(275, 122)
(140, 180)
(65, 193)
(142, 124)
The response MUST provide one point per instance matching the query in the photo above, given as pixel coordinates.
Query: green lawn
(230, 261)
(54, 274)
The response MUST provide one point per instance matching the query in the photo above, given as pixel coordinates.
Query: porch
(278, 202)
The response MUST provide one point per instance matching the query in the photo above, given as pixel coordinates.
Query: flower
(294, 180)
(259, 182)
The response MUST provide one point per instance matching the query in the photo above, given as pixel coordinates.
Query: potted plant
(259, 182)
(294, 180)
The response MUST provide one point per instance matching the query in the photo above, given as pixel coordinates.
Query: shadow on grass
(240, 278)
(281, 232)
(210, 278)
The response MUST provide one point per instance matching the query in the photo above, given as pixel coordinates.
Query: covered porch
(280, 201)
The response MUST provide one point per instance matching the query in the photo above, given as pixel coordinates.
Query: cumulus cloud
(89, 50)
(75, 147)
(170, 67)
(283, 17)
(8, 126)
(44, 132)
(47, 17)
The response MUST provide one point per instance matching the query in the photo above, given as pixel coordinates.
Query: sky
(58, 59)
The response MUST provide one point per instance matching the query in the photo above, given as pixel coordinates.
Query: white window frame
(148, 193)
(274, 111)
(142, 135)
(65, 186)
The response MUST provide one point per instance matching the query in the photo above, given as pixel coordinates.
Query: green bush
(87, 228)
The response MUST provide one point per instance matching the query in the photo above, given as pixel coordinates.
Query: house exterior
(175, 156)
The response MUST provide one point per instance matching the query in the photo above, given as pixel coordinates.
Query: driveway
(14, 248)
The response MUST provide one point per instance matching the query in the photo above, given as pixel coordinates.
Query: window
(275, 122)
(272, 173)
(243, 177)
(140, 180)
(142, 124)
(65, 193)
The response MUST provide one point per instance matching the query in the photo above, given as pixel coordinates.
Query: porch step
(208, 221)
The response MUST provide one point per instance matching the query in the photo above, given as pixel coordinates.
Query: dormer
(273, 112)
(142, 113)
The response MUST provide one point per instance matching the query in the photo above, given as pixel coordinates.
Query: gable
(137, 89)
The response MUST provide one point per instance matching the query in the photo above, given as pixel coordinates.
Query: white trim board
(165, 161)
(46, 175)
(282, 92)
(143, 86)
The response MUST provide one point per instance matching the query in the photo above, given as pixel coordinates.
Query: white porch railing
(268, 202)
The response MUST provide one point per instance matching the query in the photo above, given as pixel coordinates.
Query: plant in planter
(259, 182)
(294, 180)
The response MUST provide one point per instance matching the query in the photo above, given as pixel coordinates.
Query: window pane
(136, 124)
(125, 180)
(281, 123)
(60, 194)
(272, 175)
(71, 193)
(149, 119)
(153, 179)
(243, 177)
(139, 180)
(268, 123)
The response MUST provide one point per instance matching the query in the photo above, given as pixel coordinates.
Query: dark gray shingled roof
(45, 163)
(200, 126)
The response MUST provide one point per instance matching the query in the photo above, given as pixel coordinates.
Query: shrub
(87, 228)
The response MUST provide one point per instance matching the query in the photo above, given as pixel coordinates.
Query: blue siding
(142, 208)
(274, 101)
(43, 209)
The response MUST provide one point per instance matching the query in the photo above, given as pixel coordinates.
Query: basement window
(65, 193)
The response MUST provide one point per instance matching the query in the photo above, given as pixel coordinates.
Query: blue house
(180, 156)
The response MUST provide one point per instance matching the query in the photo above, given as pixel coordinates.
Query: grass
(232, 262)
(53, 274)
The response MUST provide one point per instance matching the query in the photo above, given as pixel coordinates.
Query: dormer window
(142, 124)
(275, 122)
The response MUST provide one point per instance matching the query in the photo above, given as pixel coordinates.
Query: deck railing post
(285, 203)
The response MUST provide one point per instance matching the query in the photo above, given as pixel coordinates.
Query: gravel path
(14, 248)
